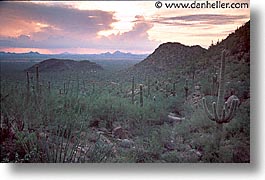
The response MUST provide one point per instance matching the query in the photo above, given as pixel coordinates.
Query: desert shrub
(180, 157)
(100, 152)
(22, 149)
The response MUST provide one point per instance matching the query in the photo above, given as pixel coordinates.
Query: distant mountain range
(35, 56)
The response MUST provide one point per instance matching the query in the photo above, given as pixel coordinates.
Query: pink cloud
(55, 27)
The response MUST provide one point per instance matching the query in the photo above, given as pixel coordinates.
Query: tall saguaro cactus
(220, 112)
(64, 88)
(174, 89)
(28, 88)
(133, 90)
(49, 86)
(37, 79)
(148, 88)
(186, 88)
(28, 82)
(141, 96)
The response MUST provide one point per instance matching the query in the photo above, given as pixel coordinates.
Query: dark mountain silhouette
(169, 55)
(173, 55)
(58, 65)
(175, 62)
(237, 43)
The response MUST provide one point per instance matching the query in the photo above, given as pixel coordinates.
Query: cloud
(139, 31)
(207, 19)
(133, 39)
(59, 17)
(49, 26)
(46, 26)
(55, 25)
(198, 19)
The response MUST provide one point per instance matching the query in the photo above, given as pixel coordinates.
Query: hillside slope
(169, 56)
(172, 55)
(174, 62)
(57, 65)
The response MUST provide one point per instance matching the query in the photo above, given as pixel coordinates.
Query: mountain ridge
(117, 55)
(58, 65)
(170, 56)
(177, 52)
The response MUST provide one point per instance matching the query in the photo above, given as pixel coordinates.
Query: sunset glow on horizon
(101, 26)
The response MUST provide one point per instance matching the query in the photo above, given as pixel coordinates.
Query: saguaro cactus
(49, 86)
(64, 88)
(37, 79)
(28, 88)
(28, 82)
(133, 90)
(174, 89)
(141, 96)
(148, 88)
(93, 87)
(221, 113)
(186, 88)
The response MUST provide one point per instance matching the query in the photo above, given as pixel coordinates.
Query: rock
(100, 132)
(82, 149)
(198, 153)
(114, 83)
(42, 135)
(94, 123)
(180, 157)
(144, 156)
(172, 114)
(83, 134)
(103, 129)
(182, 147)
(171, 157)
(105, 140)
(120, 133)
(126, 143)
(197, 87)
(170, 146)
(173, 118)
(152, 122)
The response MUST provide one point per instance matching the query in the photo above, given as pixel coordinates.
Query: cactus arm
(207, 111)
(232, 112)
(235, 108)
(216, 117)
(226, 107)
(141, 95)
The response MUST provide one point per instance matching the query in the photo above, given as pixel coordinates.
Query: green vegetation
(150, 112)
(70, 117)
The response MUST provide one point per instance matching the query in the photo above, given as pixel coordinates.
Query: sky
(106, 26)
